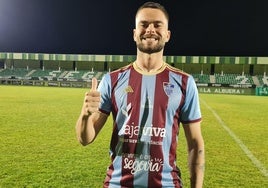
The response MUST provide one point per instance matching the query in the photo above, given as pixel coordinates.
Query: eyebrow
(155, 22)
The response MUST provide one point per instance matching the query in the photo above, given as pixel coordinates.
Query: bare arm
(91, 120)
(196, 153)
(88, 127)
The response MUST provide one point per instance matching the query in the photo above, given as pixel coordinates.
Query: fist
(92, 99)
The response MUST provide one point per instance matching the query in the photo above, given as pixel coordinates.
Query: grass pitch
(39, 148)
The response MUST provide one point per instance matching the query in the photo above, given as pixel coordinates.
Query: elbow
(83, 138)
(85, 142)
(196, 146)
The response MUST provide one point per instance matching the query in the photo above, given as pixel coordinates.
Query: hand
(92, 99)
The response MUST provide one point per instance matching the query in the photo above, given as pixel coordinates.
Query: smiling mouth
(149, 38)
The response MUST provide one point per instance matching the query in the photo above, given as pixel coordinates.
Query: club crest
(168, 88)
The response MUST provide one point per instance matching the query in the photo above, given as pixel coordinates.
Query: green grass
(39, 148)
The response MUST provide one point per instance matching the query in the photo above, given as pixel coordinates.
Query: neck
(149, 62)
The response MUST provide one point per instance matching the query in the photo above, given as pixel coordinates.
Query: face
(151, 31)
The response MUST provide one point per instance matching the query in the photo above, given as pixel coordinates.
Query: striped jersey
(147, 110)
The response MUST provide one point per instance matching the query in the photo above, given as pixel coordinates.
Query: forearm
(88, 126)
(85, 130)
(197, 166)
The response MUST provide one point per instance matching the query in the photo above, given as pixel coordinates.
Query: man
(148, 100)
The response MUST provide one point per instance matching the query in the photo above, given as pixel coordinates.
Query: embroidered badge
(128, 89)
(168, 88)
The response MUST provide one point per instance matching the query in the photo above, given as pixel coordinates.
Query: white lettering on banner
(152, 165)
(204, 90)
(132, 130)
(221, 90)
(228, 91)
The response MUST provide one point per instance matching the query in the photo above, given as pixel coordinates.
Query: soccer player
(148, 100)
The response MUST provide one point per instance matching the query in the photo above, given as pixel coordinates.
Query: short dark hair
(154, 5)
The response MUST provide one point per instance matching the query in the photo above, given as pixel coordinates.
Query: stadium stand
(18, 73)
(64, 69)
(202, 78)
(56, 75)
(263, 80)
(86, 75)
(233, 79)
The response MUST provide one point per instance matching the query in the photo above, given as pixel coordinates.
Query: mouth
(149, 38)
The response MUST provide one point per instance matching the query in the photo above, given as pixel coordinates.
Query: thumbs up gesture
(92, 99)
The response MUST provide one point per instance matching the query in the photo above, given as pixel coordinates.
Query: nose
(150, 28)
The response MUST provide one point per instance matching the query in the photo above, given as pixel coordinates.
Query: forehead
(150, 15)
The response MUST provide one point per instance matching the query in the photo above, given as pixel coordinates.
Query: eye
(158, 24)
(144, 24)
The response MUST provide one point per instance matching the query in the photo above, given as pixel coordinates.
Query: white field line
(249, 154)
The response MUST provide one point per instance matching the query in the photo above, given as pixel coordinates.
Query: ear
(134, 35)
(168, 35)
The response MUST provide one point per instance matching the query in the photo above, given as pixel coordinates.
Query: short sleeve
(190, 111)
(105, 89)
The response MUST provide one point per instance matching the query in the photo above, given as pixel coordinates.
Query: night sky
(205, 28)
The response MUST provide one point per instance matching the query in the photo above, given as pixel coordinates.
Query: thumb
(94, 84)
